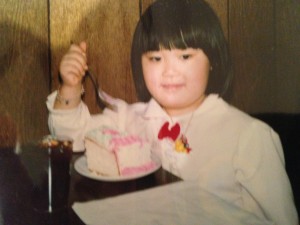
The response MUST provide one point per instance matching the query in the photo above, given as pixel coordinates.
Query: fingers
(74, 64)
(83, 45)
(78, 54)
(70, 73)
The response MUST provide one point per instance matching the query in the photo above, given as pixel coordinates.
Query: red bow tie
(172, 133)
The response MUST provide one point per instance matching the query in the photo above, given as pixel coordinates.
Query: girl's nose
(169, 68)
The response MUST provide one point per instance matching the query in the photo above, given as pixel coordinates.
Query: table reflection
(19, 171)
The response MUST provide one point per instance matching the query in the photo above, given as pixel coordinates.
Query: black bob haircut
(181, 24)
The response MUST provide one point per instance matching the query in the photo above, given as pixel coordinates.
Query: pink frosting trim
(125, 140)
(117, 139)
(130, 171)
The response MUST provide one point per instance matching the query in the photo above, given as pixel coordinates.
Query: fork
(100, 102)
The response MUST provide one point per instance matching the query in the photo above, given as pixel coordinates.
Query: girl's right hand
(74, 65)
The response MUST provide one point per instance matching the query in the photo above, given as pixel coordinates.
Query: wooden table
(17, 172)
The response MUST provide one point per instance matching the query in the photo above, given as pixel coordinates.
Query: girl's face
(176, 78)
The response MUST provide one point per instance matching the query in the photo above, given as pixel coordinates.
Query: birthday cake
(110, 152)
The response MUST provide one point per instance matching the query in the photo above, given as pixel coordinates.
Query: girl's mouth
(172, 86)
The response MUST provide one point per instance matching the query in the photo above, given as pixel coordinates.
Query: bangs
(173, 27)
(168, 39)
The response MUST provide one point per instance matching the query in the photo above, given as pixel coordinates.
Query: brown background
(264, 39)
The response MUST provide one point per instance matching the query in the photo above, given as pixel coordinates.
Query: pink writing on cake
(110, 132)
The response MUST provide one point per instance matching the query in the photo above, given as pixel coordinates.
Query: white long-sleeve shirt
(233, 156)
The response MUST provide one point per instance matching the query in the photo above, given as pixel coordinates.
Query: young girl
(181, 69)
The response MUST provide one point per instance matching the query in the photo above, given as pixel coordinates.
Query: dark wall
(264, 39)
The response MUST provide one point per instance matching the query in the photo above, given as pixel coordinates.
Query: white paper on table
(182, 203)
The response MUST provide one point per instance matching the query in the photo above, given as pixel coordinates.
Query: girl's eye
(186, 56)
(155, 58)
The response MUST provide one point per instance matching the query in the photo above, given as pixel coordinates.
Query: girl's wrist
(68, 97)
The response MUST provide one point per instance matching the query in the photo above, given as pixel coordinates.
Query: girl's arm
(68, 115)
(72, 69)
(260, 169)
(72, 122)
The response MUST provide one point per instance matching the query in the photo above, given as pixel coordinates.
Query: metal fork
(100, 102)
